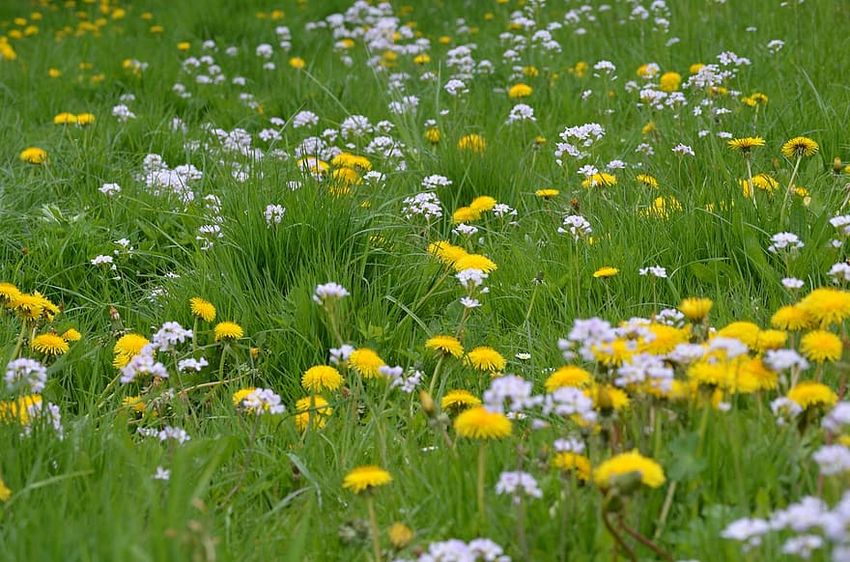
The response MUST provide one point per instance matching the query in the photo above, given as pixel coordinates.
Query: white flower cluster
(25, 373)
(330, 291)
(262, 401)
(518, 484)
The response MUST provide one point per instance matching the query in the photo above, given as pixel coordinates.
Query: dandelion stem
(436, 375)
(643, 540)
(788, 191)
(619, 540)
(373, 528)
(482, 460)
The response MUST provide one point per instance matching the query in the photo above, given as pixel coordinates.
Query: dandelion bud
(114, 315)
(400, 535)
(255, 352)
(427, 403)
(836, 165)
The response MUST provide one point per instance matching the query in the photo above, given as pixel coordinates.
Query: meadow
(436, 281)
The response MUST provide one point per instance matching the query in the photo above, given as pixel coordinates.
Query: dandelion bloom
(297, 63)
(791, 317)
(5, 492)
(573, 462)
(810, 394)
(34, 155)
(827, 306)
(457, 400)
(400, 535)
(604, 272)
(520, 90)
(72, 335)
(647, 180)
(745, 144)
(320, 378)
(84, 119)
(547, 193)
(485, 358)
(306, 407)
(448, 345)
(202, 309)
(820, 346)
(670, 81)
(465, 214)
(607, 398)
(650, 472)
(483, 203)
(49, 344)
(18, 410)
(228, 331)
(771, 339)
(433, 135)
(134, 403)
(64, 118)
(568, 375)
(364, 478)
(746, 332)
(799, 147)
(601, 179)
(475, 261)
(446, 252)
(696, 309)
(366, 363)
(480, 423)
(472, 143)
(348, 160)
(127, 347)
(753, 376)
(240, 395)
(8, 293)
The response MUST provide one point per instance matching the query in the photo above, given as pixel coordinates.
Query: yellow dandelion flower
(745, 144)
(18, 410)
(8, 293)
(447, 345)
(754, 376)
(465, 214)
(601, 179)
(134, 403)
(320, 378)
(520, 90)
(607, 398)
(446, 252)
(365, 478)
(484, 358)
(480, 423)
(228, 331)
(472, 143)
(309, 407)
(821, 346)
(810, 394)
(400, 535)
(827, 306)
(746, 332)
(34, 155)
(5, 492)
(475, 261)
(670, 81)
(799, 147)
(696, 309)
(458, 400)
(605, 272)
(49, 344)
(366, 363)
(574, 463)
(483, 203)
(568, 375)
(348, 160)
(65, 118)
(614, 470)
(648, 180)
(771, 339)
(241, 395)
(202, 309)
(84, 119)
(433, 135)
(791, 317)
(547, 193)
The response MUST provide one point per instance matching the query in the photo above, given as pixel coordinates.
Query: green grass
(91, 496)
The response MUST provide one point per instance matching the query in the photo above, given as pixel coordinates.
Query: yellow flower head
(746, 332)
(568, 375)
(241, 395)
(670, 81)
(791, 317)
(348, 160)
(480, 423)
(607, 398)
(458, 400)
(433, 135)
(799, 147)
(771, 339)
(485, 358)
(601, 179)
(297, 63)
(365, 478)
(8, 293)
(483, 203)
(605, 272)
(400, 535)
(72, 335)
(547, 193)
(321, 378)
(228, 331)
(465, 214)
(810, 394)
(49, 344)
(573, 462)
(475, 261)
(127, 347)
(446, 252)
(648, 180)
(612, 471)
(84, 119)
(366, 363)
(134, 403)
(472, 143)
(520, 90)
(745, 144)
(827, 306)
(309, 407)
(202, 309)
(447, 345)
(821, 346)
(19, 410)
(696, 309)
(5, 492)
(34, 155)
(65, 118)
